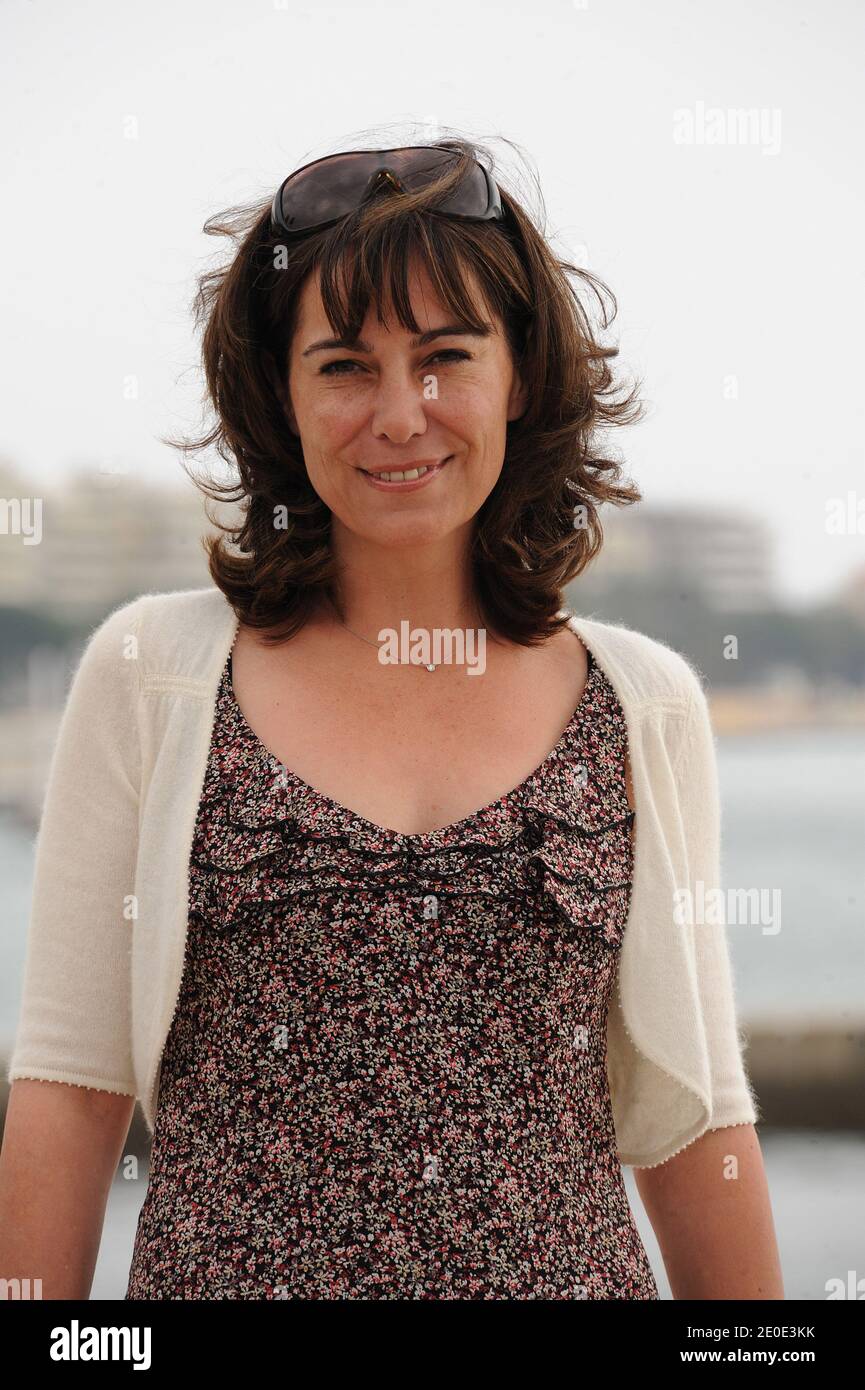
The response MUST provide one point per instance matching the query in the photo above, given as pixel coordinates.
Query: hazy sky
(734, 248)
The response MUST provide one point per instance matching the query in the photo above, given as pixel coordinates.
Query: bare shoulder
(556, 671)
(269, 673)
(567, 652)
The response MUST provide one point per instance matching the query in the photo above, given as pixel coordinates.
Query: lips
(410, 477)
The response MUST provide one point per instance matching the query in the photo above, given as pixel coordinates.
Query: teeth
(407, 477)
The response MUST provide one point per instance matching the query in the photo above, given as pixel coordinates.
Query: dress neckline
(442, 833)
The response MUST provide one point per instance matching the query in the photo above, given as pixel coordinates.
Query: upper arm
(61, 1148)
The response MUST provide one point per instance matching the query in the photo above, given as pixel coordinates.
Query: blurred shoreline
(754, 710)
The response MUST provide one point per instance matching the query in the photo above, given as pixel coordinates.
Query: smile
(407, 480)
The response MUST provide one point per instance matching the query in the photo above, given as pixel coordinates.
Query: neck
(380, 586)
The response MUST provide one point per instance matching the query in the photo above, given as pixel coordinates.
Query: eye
(329, 369)
(456, 353)
(333, 368)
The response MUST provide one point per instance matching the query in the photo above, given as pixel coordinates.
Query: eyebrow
(447, 330)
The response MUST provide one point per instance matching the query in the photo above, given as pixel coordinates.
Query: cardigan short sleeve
(75, 1017)
(731, 1097)
(675, 1053)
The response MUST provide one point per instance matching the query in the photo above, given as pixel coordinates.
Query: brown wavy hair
(530, 539)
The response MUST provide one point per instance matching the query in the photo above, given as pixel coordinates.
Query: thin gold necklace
(428, 665)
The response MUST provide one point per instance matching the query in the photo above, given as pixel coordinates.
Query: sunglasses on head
(321, 193)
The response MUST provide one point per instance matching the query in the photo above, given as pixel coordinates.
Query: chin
(402, 531)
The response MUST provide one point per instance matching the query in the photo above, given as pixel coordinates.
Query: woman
(390, 1045)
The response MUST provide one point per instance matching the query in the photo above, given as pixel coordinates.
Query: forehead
(428, 309)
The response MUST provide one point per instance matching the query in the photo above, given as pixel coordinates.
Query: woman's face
(388, 403)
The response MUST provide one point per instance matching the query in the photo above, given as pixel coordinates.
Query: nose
(399, 407)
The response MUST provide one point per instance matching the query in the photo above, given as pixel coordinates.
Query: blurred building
(98, 540)
(724, 559)
(851, 595)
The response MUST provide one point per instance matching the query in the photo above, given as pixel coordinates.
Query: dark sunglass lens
(469, 198)
(326, 191)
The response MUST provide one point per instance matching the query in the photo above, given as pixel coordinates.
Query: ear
(288, 411)
(281, 391)
(518, 398)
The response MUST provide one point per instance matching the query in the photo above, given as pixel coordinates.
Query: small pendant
(430, 666)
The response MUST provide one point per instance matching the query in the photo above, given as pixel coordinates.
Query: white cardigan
(107, 932)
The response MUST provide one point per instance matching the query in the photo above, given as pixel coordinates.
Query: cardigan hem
(728, 1124)
(633, 1160)
(664, 1152)
(74, 1078)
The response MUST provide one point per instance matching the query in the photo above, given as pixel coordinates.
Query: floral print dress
(386, 1076)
